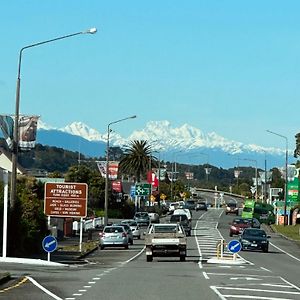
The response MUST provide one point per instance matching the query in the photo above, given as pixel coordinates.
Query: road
(125, 274)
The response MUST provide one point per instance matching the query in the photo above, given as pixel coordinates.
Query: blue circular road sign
(49, 243)
(234, 246)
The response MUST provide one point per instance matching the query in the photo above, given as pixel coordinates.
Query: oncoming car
(254, 239)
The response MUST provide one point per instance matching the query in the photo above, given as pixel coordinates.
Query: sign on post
(66, 199)
(143, 189)
(234, 246)
(49, 243)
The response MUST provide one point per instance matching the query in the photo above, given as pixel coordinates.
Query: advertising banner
(152, 179)
(113, 167)
(117, 186)
(27, 132)
(7, 128)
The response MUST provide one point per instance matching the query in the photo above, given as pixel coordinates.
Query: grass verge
(86, 247)
(290, 231)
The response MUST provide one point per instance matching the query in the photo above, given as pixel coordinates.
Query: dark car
(201, 206)
(190, 204)
(238, 225)
(183, 221)
(254, 239)
(232, 208)
(142, 218)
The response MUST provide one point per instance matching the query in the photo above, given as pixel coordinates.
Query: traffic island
(227, 261)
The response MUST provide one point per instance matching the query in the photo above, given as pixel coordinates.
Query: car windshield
(248, 209)
(178, 218)
(231, 204)
(141, 215)
(255, 232)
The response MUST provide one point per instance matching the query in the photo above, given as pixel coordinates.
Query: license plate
(253, 245)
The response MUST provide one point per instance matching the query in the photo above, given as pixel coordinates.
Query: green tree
(137, 159)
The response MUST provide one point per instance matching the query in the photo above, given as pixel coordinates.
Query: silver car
(135, 228)
(128, 231)
(113, 236)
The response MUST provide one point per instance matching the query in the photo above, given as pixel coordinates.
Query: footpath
(67, 253)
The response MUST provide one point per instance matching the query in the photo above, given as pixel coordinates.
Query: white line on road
(217, 292)
(43, 289)
(96, 278)
(255, 297)
(265, 269)
(91, 282)
(134, 257)
(257, 290)
(205, 275)
(277, 285)
(82, 291)
(297, 288)
(87, 286)
(290, 255)
(76, 294)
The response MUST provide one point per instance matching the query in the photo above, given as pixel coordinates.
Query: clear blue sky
(232, 67)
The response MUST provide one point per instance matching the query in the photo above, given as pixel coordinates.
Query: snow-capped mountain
(163, 137)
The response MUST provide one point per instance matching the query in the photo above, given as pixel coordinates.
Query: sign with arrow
(49, 243)
(234, 246)
(143, 189)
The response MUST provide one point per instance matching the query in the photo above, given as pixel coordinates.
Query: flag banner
(102, 168)
(27, 132)
(7, 128)
(152, 179)
(113, 167)
(116, 186)
(189, 175)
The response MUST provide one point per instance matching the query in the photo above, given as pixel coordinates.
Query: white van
(183, 211)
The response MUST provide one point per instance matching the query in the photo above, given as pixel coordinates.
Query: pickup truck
(165, 240)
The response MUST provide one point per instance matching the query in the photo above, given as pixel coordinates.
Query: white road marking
(96, 278)
(43, 289)
(255, 297)
(92, 282)
(76, 294)
(70, 298)
(290, 255)
(205, 275)
(296, 287)
(265, 269)
(82, 291)
(256, 290)
(134, 257)
(245, 278)
(277, 285)
(217, 292)
(87, 286)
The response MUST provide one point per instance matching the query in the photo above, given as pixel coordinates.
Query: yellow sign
(152, 198)
(163, 196)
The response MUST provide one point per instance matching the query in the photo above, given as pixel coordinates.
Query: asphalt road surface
(125, 274)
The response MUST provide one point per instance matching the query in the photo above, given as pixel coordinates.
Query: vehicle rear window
(165, 229)
(178, 218)
(113, 229)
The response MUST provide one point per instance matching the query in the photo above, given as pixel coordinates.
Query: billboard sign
(66, 199)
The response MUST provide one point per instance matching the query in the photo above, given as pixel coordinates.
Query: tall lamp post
(256, 175)
(17, 111)
(107, 167)
(286, 173)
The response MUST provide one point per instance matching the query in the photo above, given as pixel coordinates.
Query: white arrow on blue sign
(234, 246)
(49, 243)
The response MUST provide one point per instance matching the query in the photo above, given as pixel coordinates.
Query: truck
(248, 209)
(165, 240)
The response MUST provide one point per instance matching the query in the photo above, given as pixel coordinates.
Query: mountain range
(185, 144)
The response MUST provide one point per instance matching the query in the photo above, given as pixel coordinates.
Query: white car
(183, 211)
(136, 232)
(173, 206)
(154, 217)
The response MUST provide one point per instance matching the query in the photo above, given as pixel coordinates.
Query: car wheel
(149, 258)
(131, 242)
(126, 247)
(139, 237)
(101, 247)
(182, 258)
(230, 234)
(266, 250)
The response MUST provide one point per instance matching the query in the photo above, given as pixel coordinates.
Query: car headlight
(245, 241)
(233, 228)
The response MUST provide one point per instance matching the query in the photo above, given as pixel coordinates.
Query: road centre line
(42, 288)
(290, 255)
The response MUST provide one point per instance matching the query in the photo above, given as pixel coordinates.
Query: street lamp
(256, 175)
(107, 167)
(286, 172)
(17, 112)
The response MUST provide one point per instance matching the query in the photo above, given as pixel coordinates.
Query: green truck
(261, 211)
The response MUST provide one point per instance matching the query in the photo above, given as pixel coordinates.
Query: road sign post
(49, 244)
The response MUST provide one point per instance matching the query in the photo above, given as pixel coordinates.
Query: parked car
(128, 231)
(238, 225)
(135, 228)
(183, 221)
(232, 208)
(201, 206)
(154, 217)
(254, 239)
(113, 236)
(142, 218)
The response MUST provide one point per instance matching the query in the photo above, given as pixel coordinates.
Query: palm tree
(137, 159)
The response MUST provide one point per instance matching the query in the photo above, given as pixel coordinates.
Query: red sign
(117, 186)
(151, 178)
(66, 199)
